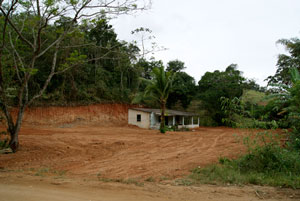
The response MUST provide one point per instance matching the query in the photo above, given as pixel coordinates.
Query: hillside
(100, 114)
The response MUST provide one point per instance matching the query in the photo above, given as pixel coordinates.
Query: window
(138, 117)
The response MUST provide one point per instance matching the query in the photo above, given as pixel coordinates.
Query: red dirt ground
(121, 152)
(96, 140)
(93, 142)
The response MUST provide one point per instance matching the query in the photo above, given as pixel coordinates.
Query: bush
(266, 163)
(207, 121)
(269, 160)
(162, 130)
(243, 122)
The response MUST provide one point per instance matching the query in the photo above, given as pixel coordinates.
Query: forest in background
(94, 66)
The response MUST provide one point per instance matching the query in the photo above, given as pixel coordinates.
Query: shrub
(162, 130)
(266, 163)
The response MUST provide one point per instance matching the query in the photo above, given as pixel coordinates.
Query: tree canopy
(159, 89)
(286, 62)
(43, 39)
(214, 85)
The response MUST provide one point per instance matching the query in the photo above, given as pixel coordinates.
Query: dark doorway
(166, 120)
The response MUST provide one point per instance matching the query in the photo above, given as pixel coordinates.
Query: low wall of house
(155, 126)
(189, 126)
(145, 118)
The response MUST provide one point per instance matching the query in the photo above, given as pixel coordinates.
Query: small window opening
(138, 117)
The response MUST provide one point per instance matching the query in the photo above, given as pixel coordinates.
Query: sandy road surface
(28, 188)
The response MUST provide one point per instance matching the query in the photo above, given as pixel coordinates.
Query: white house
(150, 118)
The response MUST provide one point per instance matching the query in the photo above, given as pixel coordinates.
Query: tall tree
(159, 88)
(217, 84)
(286, 62)
(24, 25)
(184, 89)
(175, 66)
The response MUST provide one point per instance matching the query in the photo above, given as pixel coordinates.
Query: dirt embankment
(100, 114)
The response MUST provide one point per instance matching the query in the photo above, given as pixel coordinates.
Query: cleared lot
(72, 163)
(121, 152)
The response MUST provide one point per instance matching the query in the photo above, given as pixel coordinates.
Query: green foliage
(159, 89)
(248, 111)
(146, 68)
(162, 129)
(74, 59)
(103, 70)
(233, 110)
(175, 66)
(183, 90)
(92, 64)
(254, 97)
(42, 172)
(161, 84)
(288, 105)
(266, 163)
(214, 85)
(286, 62)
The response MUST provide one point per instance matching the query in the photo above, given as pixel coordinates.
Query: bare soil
(73, 159)
(121, 152)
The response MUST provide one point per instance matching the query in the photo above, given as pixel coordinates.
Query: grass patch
(123, 181)
(133, 181)
(42, 172)
(185, 182)
(164, 178)
(266, 163)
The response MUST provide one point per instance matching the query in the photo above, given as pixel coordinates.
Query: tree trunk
(14, 141)
(162, 117)
(15, 129)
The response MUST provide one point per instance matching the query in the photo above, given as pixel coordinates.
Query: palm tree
(159, 89)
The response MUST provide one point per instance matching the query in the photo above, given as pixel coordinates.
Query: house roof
(168, 112)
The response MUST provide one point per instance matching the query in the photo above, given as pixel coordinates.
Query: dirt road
(28, 188)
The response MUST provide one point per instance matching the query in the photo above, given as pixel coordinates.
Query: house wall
(145, 118)
(154, 123)
(189, 126)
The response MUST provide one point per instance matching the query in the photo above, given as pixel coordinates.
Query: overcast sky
(210, 35)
